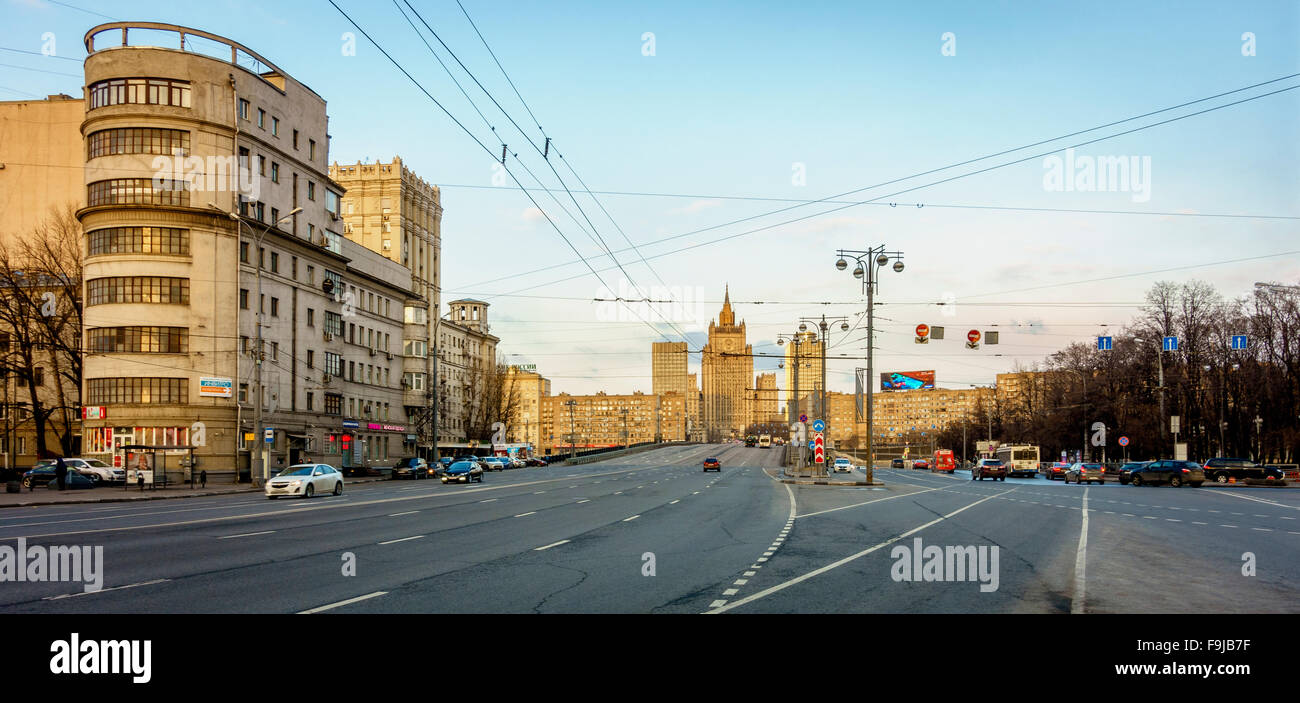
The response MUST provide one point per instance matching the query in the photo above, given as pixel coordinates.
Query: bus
(764, 441)
(1021, 459)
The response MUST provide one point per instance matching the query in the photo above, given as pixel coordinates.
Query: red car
(712, 463)
(920, 464)
(1057, 470)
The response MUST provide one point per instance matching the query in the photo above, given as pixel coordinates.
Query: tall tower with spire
(727, 364)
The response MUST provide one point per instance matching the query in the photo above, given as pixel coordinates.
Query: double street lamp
(868, 267)
(257, 349)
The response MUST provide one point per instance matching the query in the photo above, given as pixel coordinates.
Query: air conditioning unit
(372, 352)
(326, 378)
(389, 355)
(329, 336)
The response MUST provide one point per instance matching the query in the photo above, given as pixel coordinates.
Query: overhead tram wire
(471, 135)
(942, 168)
(601, 243)
(926, 185)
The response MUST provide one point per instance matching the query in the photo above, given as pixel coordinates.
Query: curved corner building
(178, 137)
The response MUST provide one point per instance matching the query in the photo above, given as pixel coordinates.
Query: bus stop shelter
(147, 465)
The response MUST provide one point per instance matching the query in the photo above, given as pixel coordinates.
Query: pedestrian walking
(61, 472)
(203, 478)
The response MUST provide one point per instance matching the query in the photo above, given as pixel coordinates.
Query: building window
(275, 307)
(141, 340)
(137, 191)
(275, 260)
(138, 289)
(261, 118)
(275, 172)
(139, 91)
(333, 364)
(243, 298)
(138, 240)
(137, 391)
(38, 376)
(311, 358)
(243, 109)
(311, 149)
(243, 252)
(311, 190)
(261, 165)
(333, 404)
(311, 317)
(137, 140)
(295, 139)
(310, 400)
(275, 126)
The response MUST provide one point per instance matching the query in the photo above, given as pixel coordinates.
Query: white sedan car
(305, 480)
(843, 465)
(96, 470)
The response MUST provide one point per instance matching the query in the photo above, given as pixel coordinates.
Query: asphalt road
(652, 532)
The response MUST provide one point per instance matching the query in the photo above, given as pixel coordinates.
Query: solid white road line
(530, 512)
(857, 505)
(1223, 492)
(404, 539)
(584, 500)
(1081, 562)
(552, 544)
(409, 512)
(488, 500)
(341, 603)
(247, 534)
(631, 518)
(104, 590)
(671, 502)
(835, 565)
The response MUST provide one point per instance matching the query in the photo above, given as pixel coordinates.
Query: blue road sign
(1238, 341)
(812, 444)
(1171, 344)
(1123, 441)
(803, 418)
(1105, 343)
(819, 426)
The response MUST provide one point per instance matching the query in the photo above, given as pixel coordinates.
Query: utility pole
(623, 412)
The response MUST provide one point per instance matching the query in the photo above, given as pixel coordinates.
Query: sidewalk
(117, 494)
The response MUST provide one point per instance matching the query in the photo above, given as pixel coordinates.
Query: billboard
(907, 380)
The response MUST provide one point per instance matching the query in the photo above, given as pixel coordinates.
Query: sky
(687, 116)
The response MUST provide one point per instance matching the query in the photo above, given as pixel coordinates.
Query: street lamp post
(572, 433)
(797, 340)
(823, 325)
(257, 349)
(869, 263)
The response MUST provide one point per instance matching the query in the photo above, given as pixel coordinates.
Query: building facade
(390, 210)
(803, 367)
(601, 420)
(530, 389)
(727, 364)
(669, 363)
(205, 182)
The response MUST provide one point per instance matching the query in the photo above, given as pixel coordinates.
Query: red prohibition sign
(922, 330)
(973, 336)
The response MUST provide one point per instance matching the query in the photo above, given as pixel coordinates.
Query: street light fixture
(259, 430)
(869, 263)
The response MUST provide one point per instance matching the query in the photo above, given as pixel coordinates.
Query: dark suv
(411, 467)
(1220, 470)
(1170, 471)
(995, 469)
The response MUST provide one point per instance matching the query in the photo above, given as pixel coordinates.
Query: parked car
(995, 469)
(411, 467)
(1126, 471)
(843, 465)
(73, 480)
(534, 461)
(1056, 470)
(1170, 471)
(305, 480)
(96, 470)
(921, 464)
(496, 463)
(1082, 473)
(463, 472)
(896, 464)
(1221, 470)
(712, 464)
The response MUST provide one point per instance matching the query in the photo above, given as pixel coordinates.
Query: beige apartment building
(727, 364)
(530, 389)
(669, 361)
(898, 414)
(766, 400)
(601, 420)
(390, 210)
(694, 403)
(205, 181)
(467, 354)
(41, 162)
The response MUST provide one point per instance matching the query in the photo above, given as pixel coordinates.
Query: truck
(764, 441)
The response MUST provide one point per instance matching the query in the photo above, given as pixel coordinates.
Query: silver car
(1082, 473)
(305, 480)
(96, 470)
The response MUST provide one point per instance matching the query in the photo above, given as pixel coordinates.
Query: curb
(196, 494)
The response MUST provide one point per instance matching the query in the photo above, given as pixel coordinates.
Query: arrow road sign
(1105, 343)
(819, 426)
(1171, 344)
(1238, 341)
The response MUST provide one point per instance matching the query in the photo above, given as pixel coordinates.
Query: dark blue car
(463, 472)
